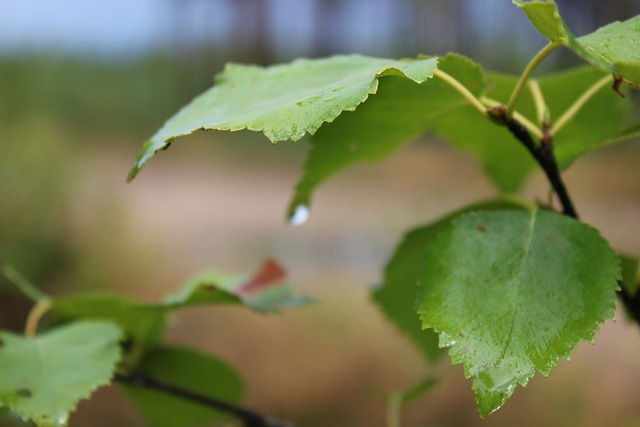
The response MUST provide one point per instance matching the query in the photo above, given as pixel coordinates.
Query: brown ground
(200, 206)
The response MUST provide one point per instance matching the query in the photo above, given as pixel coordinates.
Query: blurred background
(83, 84)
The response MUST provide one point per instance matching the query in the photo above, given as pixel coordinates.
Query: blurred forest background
(83, 85)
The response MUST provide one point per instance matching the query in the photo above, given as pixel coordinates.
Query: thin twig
(248, 417)
(542, 153)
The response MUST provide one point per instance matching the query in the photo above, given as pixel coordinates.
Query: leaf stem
(578, 104)
(35, 315)
(394, 405)
(533, 64)
(462, 90)
(23, 285)
(542, 111)
(248, 417)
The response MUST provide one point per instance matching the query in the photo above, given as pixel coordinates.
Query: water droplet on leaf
(299, 215)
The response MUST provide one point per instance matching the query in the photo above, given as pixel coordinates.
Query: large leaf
(193, 371)
(400, 111)
(284, 101)
(510, 292)
(613, 48)
(43, 378)
(397, 296)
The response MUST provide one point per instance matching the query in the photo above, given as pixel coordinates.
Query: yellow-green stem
(542, 111)
(578, 104)
(37, 312)
(462, 90)
(533, 64)
(394, 405)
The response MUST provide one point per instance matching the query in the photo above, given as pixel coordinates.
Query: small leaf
(43, 378)
(284, 101)
(263, 292)
(510, 292)
(612, 48)
(398, 113)
(397, 296)
(193, 371)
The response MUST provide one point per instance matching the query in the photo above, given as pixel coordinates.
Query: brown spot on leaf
(1, 343)
(465, 350)
(269, 274)
(545, 328)
(481, 228)
(209, 287)
(23, 392)
(548, 239)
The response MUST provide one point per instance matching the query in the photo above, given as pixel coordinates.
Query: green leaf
(399, 112)
(510, 292)
(263, 292)
(630, 273)
(615, 48)
(397, 296)
(43, 378)
(143, 323)
(191, 370)
(612, 48)
(284, 101)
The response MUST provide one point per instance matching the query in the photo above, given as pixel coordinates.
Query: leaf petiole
(579, 103)
(542, 111)
(394, 405)
(462, 90)
(35, 315)
(533, 64)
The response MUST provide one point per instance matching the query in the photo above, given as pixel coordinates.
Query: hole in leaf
(23, 392)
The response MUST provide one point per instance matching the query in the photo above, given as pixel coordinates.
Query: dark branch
(249, 418)
(543, 153)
